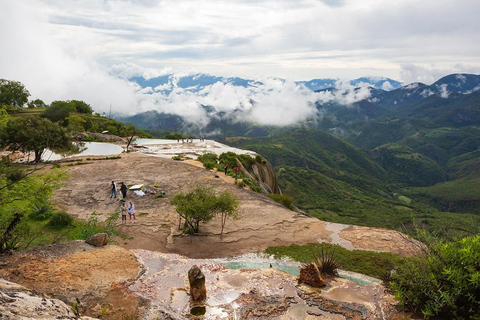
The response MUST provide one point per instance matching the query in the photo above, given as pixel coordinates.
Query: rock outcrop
(19, 303)
(98, 240)
(196, 279)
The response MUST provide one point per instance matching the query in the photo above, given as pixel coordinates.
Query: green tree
(201, 204)
(13, 93)
(59, 111)
(227, 205)
(195, 206)
(37, 103)
(81, 106)
(32, 133)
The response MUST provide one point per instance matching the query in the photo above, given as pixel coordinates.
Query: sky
(84, 49)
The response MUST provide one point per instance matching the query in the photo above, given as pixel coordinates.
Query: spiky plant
(326, 261)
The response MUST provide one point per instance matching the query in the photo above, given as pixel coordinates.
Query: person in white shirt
(131, 211)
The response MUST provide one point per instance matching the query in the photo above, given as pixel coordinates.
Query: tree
(13, 93)
(32, 133)
(59, 111)
(201, 204)
(227, 206)
(37, 103)
(195, 206)
(81, 106)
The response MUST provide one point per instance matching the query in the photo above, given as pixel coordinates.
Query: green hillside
(320, 152)
(406, 167)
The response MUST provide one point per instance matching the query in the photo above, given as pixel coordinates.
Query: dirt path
(262, 222)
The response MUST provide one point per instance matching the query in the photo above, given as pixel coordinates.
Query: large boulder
(196, 278)
(98, 239)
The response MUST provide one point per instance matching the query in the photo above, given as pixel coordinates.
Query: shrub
(177, 158)
(445, 280)
(209, 165)
(326, 261)
(60, 220)
(41, 212)
(241, 184)
(283, 199)
(208, 157)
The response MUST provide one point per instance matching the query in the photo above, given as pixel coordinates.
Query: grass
(374, 264)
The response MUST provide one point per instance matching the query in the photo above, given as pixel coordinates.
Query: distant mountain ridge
(196, 82)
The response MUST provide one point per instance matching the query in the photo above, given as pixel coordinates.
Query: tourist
(123, 189)
(123, 210)
(236, 172)
(131, 211)
(113, 190)
(225, 168)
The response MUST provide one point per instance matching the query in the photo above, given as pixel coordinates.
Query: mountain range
(355, 160)
(197, 82)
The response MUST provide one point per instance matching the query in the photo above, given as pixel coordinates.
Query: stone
(98, 239)
(196, 278)
(310, 275)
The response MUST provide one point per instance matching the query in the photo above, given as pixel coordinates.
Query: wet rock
(256, 306)
(310, 275)
(98, 239)
(197, 284)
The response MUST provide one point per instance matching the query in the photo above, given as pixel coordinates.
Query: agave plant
(326, 261)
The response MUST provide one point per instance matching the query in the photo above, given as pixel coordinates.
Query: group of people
(113, 190)
(130, 209)
(124, 209)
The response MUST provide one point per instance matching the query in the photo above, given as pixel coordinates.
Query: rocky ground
(145, 274)
(115, 283)
(262, 222)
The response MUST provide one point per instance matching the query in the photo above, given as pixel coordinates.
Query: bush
(60, 220)
(41, 212)
(283, 199)
(444, 281)
(208, 157)
(209, 165)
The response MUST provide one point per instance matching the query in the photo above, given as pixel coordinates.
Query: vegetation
(283, 199)
(444, 281)
(34, 134)
(374, 264)
(13, 93)
(201, 204)
(326, 261)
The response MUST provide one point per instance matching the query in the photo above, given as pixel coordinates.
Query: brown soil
(262, 222)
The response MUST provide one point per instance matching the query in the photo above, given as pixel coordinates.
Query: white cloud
(85, 49)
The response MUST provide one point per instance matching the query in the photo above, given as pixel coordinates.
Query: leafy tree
(59, 111)
(81, 106)
(201, 204)
(227, 206)
(195, 206)
(37, 103)
(76, 123)
(31, 133)
(13, 93)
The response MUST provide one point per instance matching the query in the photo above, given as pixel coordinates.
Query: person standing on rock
(113, 190)
(123, 210)
(236, 172)
(225, 168)
(131, 211)
(123, 189)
